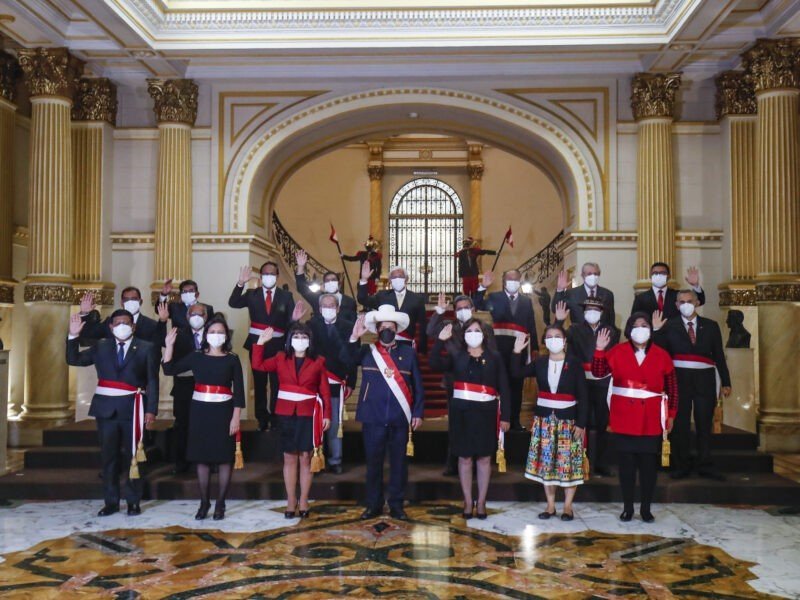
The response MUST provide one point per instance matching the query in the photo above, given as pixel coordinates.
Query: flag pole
(499, 252)
(335, 239)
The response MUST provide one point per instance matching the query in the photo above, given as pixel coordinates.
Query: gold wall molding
(737, 297)
(218, 242)
(375, 172)
(95, 100)
(653, 95)
(7, 173)
(21, 235)
(50, 71)
(7, 293)
(735, 94)
(475, 172)
(150, 134)
(103, 293)
(43, 292)
(175, 100)
(772, 64)
(778, 292)
(9, 75)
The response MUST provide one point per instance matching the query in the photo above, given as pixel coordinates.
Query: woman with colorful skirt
(479, 408)
(303, 409)
(215, 410)
(555, 458)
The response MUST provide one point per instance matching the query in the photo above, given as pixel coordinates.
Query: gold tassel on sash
(134, 470)
(666, 450)
(501, 459)
(410, 444)
(586, 470)
(238, 457)
(340, 431)
(317, 460)
(718, 414)
(140, 455)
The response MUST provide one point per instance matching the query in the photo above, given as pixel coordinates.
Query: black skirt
(638, 444)
(473, 428)
(296, 433)
(209, 439)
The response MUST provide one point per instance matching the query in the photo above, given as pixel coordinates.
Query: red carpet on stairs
(435, 395)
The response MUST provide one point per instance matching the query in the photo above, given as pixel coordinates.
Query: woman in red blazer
(303, 408)
(643, 404)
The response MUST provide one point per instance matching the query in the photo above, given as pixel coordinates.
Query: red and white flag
(509, 239)
(333, 237)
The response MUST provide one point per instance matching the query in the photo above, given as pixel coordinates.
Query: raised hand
(87, 303)
(166, 289)
(299, 311)
(521, 342)
(446, 333)
(487, 279)
(561, 311)
(658, 320)
(163, 311)
(265, 336)
(442, 303)
(244, 275)
(360, 327)
(693, 276)
(75, 325)
(603, 339)
(302, 259)
(366, 270)
(172, 335)
(563, 281)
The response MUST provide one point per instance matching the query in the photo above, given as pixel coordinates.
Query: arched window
(426, 229)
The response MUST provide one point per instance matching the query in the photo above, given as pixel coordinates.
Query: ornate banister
(544, 263)
(287, 246)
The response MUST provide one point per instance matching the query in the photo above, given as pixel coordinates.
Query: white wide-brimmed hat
(386, 312)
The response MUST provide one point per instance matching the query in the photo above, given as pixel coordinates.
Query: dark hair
(326, 273)
(120, 312)
(217, 318)
(660, 264)
(554, 327)
(633, 318)
(188, 282)
(462, 298)
(274, 264)
(130, 288)
(304, 329)
(489, 342)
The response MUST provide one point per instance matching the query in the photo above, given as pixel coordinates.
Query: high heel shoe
(626, 515)
(219, 511)
(202, 512)
(481, 515)
(304, 513)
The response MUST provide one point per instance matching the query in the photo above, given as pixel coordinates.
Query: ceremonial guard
(390, 405)
(662, 298)
(189, 294)
(575, 297)
(147, 329)
(331, 284)
(370, 256)
(468, 265)
(125, 401)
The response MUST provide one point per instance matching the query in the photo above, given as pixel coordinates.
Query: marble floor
(60, 550)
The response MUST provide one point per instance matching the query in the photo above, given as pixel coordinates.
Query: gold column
(475, 170)
(9, 72)
(176, 111)
(772, 67)
(375, 170)
(94, 112)
(51, 75)
(653, 103)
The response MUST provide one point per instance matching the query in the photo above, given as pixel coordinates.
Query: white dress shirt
(554, 368)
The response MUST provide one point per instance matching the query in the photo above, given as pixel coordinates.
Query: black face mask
(386, 336)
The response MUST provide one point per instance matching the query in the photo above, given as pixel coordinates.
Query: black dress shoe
(680, 474)
(626, 515)
(202, 512)
(263, 425)
(712, 475)
(134, 509)
(647, 516)
(219, 511)
(290, 514)
(371, 513)
(481, 515)
(398, 513)
(567, 516)
(108, 509)
(304, 513)
(546, 515)
(335, 469)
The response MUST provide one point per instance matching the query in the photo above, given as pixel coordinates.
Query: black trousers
(182, 390)
(115, 437)
(378, 440)
(598, 423)
(264, 409)
(646, 463)
(702, 405)
(515, 386)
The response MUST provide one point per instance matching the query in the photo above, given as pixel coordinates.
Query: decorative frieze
(778, 292)
(6, 293)
(95, 100)
(50, 71)
(735, 94)
(653, 95)
(737, 297)
(43, 292)
(175, 100)
(772, 64)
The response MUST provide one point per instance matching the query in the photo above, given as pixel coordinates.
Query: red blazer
(312, 377)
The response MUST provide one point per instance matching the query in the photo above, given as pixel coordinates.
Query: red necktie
(268, 301)
(661, 300)
(692, 335)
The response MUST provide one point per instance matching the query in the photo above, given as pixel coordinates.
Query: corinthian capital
(772, 64)
(9, 74)
(95, 100)
(375, 172)
(475, 171)
(653, 94)
(735, 94)
(175, 100)
(50, 71)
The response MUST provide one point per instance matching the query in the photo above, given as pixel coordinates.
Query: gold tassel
(140, 455)
(344, 413)
(134, 470)
(317, 460)
(410, 444)
(665, 451)
(238, 460)
(586, 470)
(718, 414)
(340, 431)
(500, 457)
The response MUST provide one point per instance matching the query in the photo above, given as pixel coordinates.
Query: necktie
(268, 301)
(197, 341)
(121, 354)
(692, 334)
(513, 302)
(661, 300)
(592, 295)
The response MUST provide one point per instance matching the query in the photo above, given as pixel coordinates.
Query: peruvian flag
(333, 237)
(509, 239)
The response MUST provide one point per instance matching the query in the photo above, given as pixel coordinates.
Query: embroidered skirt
(555, 457)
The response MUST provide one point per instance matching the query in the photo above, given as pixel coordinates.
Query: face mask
(196, 321)
(592, 317)
(687, 309)
(464, 314)
(398, 284)
(330, 287)
(659, 280)
(188, 298)
(215, 340)
(122, 332)
(473, 338)
(386, 336)
(269, 281)
(512, 287)
(132, 306)
(640, 335)
(300, 344)
(591, 280)
(555, 345)
(329, 314)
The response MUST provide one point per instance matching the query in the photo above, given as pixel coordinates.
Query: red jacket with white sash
(297, 392)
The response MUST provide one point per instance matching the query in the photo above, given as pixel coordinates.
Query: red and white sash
(404, 337)
(695, 361)
(557, 401)
(211, 393)
(393, 378)
(106, 387)
(295, 393)
(587, 368)
(258, 329)
(507, 328)
(640, 394)
(475, 392)
(334, 379)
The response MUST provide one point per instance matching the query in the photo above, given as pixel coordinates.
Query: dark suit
(575, 297)
(348, 309)
(178, 310)
(114, 414)
(572, 381)
(182, 390)
(413, 306)
(499, 305)
(280, 316)
(147, 329)
(647, 302)
(697, 388)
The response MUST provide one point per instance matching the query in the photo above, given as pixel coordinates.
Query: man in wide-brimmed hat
(390, 404)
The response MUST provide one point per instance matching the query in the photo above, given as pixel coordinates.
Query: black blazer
(147, 329)
(348, 309)
(413, 306)
(647, 302)
(581, 339)
(140, 368)
(574, 297)
(280, 315)
(500, 306)
(572, 381)
(177, 314)
(330, 345)
(674, 338)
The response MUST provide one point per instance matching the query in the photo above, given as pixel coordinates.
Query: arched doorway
(426, 228)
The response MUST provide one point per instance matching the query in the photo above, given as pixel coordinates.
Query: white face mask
(215, 340)
(268, 281)
(687, 309)
(555, 344)
(330, 287)
(188, 298)
(398, 284)
(640, 335)
(473, 338)
(591, 280)
(512, 287)
(197, 321)
(464, 314)
(659, 280)
(592, 317)
(299, 344)
(132, 306)
(122, 332)
(329, 314)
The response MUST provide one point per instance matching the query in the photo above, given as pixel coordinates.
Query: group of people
(638, 391)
